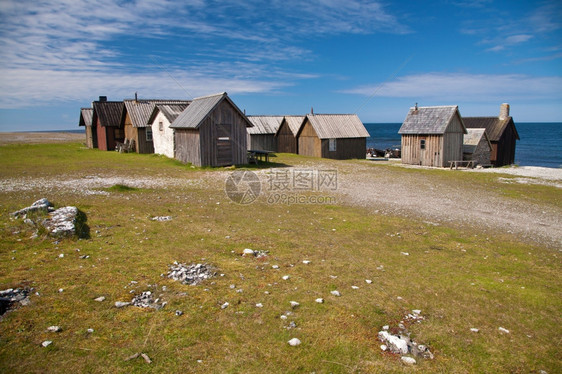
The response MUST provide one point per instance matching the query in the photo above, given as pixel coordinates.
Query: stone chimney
(504, 111)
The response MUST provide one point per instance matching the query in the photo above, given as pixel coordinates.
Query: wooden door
(224, 145)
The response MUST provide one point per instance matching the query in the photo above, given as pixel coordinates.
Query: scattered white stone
(395, 343)
(46, 343)
(283, 316)
(286, 277)
(319, 300)
(368, 281)
(61, 255)
(408, 360)
(398, 297)
(275, 266)
(385, 327)
(90, 331)
(61, 289)
(404, 253)
(355, 287)
(335, 293)
(100, 299)
(54, 329)
(505, 331)
(161, 218)
(225, 305)
(121, 304)
(294, 342)
(294, 304)
(259, 305)
(306, 262)
(416, 311)
(474, 329)
(248, 252)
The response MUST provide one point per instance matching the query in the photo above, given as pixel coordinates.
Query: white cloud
(448, 88)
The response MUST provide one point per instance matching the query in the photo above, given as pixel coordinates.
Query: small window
(332, 145)
(422, 144)
(148, 134)
(224, 138)
(161, 126)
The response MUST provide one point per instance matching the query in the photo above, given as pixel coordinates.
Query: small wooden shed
(108, 122)
(262, 135)
(286, 135)
(336, 136)
(137, 128)
(502, 134)
(432, 136)
(477, 147)
(211, 131)
(86, 115)
(160, 120)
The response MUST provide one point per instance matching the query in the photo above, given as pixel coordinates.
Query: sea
(540, 143)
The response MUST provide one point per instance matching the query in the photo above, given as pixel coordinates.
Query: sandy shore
(40, 137)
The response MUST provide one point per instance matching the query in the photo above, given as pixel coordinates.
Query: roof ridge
(213, 95)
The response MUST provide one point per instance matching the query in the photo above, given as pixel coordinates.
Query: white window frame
(332, 144)
(149, 136)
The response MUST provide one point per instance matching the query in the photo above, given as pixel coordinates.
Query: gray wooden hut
(262, 135)
(136, 126)
(336, 136)
(477, 147)
(432, 136)
(211, 131)
(286, 135)
(86, 115)
(502, 134)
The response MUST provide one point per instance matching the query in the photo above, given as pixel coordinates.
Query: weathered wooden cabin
(502, 134)
(262, 135)
(160, 120)
(211, 131)
(432, 136)
(107, 120)
(86, 115)
(286, 135)
(477, 147)
(336, 136)
(137, 128)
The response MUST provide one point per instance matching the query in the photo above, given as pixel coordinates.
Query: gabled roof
(86, 115)
(472, 138)
(494, 126)
(430, 120)
(264, 125)
(170, 111)
(330, 126)
(110, 113)
(141, 110)
(199, 110)
(294, 123)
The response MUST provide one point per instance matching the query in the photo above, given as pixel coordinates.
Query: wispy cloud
(453, 87)
(63, 49)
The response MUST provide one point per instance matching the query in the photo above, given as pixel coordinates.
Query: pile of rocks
(63, 222)
(190, 274)
(12, 298)
(401, 343)
(145, 300)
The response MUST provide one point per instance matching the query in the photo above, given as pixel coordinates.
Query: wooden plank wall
(308, 142)
(414, 155)
(286, 141)
(102, 137)
(143, 146)
(262, 142)
(346, 148)
(89, 137)
(188, 146)
(505, 152)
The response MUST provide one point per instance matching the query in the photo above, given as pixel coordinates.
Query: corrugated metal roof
(141, 110)
(494, 126)
(86, 115)
(330, 126)
(264, 124)
(110, 113)
(170, 111)
(200, 108)
(428, 120)
(294, 123)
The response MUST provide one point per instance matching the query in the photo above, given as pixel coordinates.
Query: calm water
(540, 144)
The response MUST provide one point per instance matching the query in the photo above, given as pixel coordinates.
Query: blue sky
(372, 58)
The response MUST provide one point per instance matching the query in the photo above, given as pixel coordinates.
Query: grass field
(459, 279)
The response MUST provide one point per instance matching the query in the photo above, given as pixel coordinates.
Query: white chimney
(504, 111)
